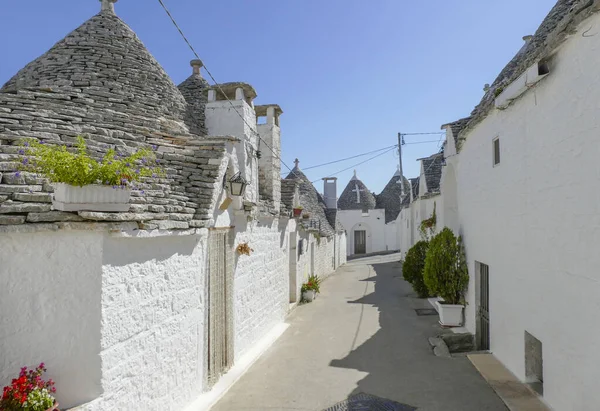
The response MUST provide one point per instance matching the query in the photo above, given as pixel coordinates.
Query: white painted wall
(50, 309)
(535, 220)
(373, 223)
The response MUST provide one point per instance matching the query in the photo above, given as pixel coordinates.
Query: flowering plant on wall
(427, 226)
(29, 392)
(77, 168)
(312, 284)
(244, 248)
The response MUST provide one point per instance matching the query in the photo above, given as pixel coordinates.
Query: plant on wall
(445, 273)
(77, 167)
(312, 284)
(427, 226)
(244, 249)
(412, 268)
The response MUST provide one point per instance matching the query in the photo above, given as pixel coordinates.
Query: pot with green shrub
(311, 288)
(412, 268)
(82, 182)
(446, 275)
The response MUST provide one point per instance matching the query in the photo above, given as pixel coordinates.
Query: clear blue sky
(349, 74)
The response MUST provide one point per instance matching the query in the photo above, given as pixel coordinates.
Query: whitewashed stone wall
(118, 321)
(152, 322)
(50, 309)
(535, 220)
(261, 281)
(327, 252)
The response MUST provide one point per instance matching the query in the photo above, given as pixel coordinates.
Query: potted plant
(29, 392)
(306, 216)
(84, 183)
(412, 268)
(311, 288)
(298, 211)
(446, 275)
(244, 248)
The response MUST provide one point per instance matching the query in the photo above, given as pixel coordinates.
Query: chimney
(269, 163)
(330, 192)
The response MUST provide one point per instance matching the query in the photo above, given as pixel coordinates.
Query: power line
(356, 165)
(423, 134)
(423, 142)
(349, 158)
(219, 87)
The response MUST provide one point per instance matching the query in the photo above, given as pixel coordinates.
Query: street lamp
(237, 185)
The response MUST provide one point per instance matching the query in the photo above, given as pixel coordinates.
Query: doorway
(483, 306)
(360, 242)
(219, 328)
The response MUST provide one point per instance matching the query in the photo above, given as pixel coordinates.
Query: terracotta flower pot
(54, 407)
(297, 212)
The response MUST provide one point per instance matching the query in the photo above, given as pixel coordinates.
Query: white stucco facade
(535, 220)
(380, 236)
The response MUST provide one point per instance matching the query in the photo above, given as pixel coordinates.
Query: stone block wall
(261, 282)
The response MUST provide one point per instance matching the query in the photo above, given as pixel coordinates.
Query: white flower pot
(93, 197)
(450, 315)
(309, 295)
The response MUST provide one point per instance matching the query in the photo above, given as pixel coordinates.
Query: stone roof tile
(350, 200)
(432, 167)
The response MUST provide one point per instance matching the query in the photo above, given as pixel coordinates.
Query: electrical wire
(423, 134)
(356, 165)
(219, 87)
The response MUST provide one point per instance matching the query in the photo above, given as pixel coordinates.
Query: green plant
(318, 237)
(312, 284)
(78, 168)
(427, 226)
(445, 272)
(412, 268)
(498, 91)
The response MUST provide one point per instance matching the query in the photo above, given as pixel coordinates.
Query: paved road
(361, 335)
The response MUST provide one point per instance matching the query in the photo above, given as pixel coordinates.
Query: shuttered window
(496, 144)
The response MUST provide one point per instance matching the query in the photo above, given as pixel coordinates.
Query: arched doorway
(449, 190)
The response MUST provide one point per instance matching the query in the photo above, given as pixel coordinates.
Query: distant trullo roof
(313, 203)
(391, 197)
(106, 60)
(356, 196)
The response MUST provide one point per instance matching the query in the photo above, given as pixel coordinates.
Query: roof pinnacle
(197, 65)
(108, 5)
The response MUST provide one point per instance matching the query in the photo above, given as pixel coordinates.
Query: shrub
(412, 268)
(78, 168)
(445, 272)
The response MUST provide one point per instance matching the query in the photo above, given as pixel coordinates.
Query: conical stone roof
(391, 198)
(350, 200)
(107, 63)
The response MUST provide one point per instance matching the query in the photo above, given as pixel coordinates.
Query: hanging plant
(427, 227)
(244, 248)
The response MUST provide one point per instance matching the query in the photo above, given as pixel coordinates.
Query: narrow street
(361, 335)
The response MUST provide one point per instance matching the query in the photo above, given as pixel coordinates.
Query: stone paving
(361, 336)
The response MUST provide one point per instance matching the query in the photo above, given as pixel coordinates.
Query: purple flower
(128, 164)
(153, 175)
(18, 174)
(26, 144)
(21, 151)
(142, 191)
(69, 145)
(157, 161)
(114, 187)
(137, 171)
(144, 161)
(154, 147)
(123, 181)
(42, 142)
(26, 161)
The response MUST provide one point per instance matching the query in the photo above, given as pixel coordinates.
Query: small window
(365, 212)
(496, 144)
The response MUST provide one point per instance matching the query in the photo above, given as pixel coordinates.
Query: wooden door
(219, 306)
(360, 242)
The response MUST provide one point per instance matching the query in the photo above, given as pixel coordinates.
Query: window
(365, 212)
(496, 145)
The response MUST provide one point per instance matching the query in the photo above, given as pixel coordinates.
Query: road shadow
(399, 361)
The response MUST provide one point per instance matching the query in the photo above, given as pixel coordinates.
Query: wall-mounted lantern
(236, 185)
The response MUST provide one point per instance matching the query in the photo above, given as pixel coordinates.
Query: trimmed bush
(412, 269)
(445, 272)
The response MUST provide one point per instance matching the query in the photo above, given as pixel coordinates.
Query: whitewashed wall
(118, 321)
(391, 236)
(50, 309)
(535, 220)
(261, 280)
(373, 224)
